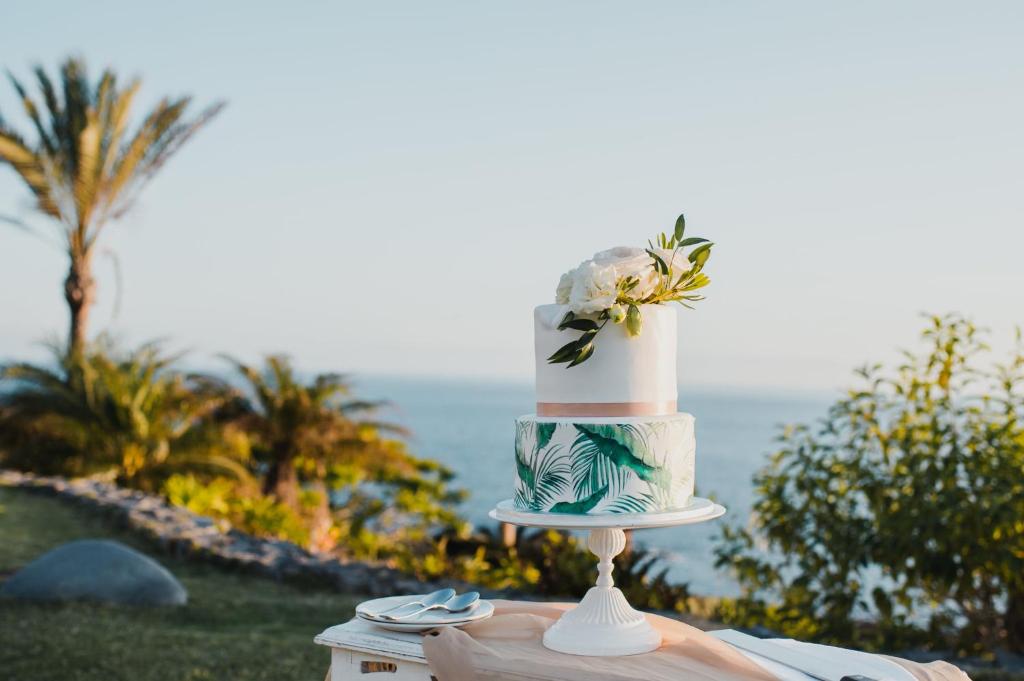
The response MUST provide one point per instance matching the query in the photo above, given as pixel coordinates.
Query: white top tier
(626, 376)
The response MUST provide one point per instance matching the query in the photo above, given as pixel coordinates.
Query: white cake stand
(604, 624)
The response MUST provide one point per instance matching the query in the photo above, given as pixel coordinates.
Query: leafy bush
(899, 519)
(321, 453)
(242, 508)
(127, 414)
(288, 459)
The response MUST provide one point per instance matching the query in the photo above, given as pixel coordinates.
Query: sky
(394, 186)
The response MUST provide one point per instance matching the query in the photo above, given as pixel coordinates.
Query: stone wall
(180, 532)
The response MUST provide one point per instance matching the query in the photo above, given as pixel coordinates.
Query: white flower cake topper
(613, 285)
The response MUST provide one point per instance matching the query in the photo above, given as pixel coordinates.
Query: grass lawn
(234, 627)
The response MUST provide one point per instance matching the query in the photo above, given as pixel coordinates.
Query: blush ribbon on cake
(605, 408)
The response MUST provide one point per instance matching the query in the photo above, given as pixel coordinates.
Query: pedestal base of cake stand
(604, 624)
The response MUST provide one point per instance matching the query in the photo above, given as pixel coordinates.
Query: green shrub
(242, 508)
(125, 414)
(899, 519)
(324, 454)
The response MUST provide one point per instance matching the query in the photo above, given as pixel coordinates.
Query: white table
(359, 650)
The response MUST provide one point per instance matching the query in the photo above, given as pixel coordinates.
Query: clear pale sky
(394, 186)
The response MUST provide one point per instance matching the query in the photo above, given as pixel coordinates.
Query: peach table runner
(508, 647)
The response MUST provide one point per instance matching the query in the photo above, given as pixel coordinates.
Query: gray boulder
(96, 570)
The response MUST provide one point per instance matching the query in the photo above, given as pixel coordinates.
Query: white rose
(627, 261)
(593, 288)
(631, 262)
(678, 264)
(564, 288)
(624, 258)
(649, 280)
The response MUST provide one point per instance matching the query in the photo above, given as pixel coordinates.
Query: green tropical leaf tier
(604, 465)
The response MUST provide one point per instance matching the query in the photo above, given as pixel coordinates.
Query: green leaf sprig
(671, 287)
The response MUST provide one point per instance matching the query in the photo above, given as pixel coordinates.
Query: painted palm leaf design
(637, 439)
(522, 464)
(552, 475)
(544, 433)
(603, 456)
(583, 505)
(543, 471)
(662, 496)
(633, 503)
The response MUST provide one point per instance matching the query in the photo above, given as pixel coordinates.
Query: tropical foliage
(282, 457)
(240, 505)
(614, 284)
(903, 507)
(86, 165)
(128, 415)
(315, 437)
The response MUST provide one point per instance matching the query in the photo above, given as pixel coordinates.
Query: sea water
(468, 425)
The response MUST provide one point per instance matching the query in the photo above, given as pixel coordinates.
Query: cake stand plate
(604, 624)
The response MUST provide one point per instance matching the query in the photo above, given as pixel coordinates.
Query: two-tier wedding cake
(607, 436)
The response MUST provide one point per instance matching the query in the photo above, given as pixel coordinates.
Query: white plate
(432, 619)
(697, 511)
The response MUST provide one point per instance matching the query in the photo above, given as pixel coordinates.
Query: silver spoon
(431, 599)
(459, 603)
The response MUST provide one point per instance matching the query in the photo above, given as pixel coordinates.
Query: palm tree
(304, 433)
(85, 168)
(130, 415)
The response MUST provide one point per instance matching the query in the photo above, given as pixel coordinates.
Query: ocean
(468, 425)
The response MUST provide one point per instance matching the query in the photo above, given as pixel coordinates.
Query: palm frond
(256, 383)
(524, 466)
(552, 476)
(584, 505)
(604, 455)
(116, 123)
(593, 468)
(81, 169)
(220, 465)
(30, 168)
(632, 503)
(108, 409)
(32, 110)
(545, 431)
(520, 499)
(162, 134)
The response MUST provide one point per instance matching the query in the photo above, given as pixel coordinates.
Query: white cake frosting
(626, 375)
(602, 465)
